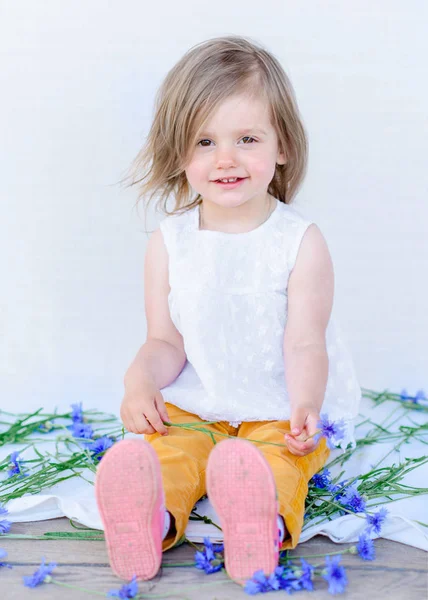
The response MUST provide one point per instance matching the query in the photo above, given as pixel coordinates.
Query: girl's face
(237, 141)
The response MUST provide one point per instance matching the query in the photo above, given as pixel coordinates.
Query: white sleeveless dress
(228, 300)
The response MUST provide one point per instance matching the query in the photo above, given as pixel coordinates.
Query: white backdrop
(77, 88)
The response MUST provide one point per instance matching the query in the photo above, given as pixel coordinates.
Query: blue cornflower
(4, 525)
(375, 521)
(420, 395)
(365, 547)
(353, 500)
(288, 579)
(77, 413)
(333, 488)
(129, 590)
(335, 575)
(81, 430)
(332, 430)
(15, 464)
(210, 559)
(41, 575)
(305, 579)
(322, 479)
(404, 395)
(3, 554)
(261, 583)
(100, 446)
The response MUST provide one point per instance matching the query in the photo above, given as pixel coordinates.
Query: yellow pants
(183, 455)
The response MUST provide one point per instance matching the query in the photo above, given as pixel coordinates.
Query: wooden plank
(399, 571)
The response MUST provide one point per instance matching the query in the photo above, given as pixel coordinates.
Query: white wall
(77, 87)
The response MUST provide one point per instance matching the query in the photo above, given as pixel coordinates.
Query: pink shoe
(242, 490)
(130, 498)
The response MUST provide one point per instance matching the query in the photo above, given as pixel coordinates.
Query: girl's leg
(138, 479)
(183, 456)
(241, 488)
(291, 473)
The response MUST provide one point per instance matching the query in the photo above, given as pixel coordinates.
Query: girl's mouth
(232, 184)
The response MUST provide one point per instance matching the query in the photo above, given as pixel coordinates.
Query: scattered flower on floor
(261, 583)
(15, 466)
(305, 575)
(375, 521)
(4, 524)
(41, 575)
(365, 547)
(353, 500)
(420, 395)
(100, 445)
(77, 413)
(3, 554)
(335, 575)
(334, 431)
(287, 579)
(322, 479)
(129, 590)
(210, 559)
(81, 430)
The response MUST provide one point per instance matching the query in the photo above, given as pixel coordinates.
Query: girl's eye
(246, 137)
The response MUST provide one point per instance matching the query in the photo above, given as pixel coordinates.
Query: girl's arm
(162, 357)
(310, 302)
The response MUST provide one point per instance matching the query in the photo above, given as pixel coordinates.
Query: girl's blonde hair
(203, 78)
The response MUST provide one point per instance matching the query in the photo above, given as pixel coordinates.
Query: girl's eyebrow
(237, 132)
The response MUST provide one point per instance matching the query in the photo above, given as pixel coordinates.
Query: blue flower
(100, 446)
(365, 547)
(404, 395)
(335, 575)
(420, 395)
(375, 521)
(288, 579)
(77, 413)
(261, 583)
(3, 554)
(210, 559)
(81, 430)
(305, 579)
(353, 500)
(129, 590)
(15, 464)
(322, 479)
(4, 525)
(333, 431)
(42, 574)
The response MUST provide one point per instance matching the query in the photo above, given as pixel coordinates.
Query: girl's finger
(304, 447)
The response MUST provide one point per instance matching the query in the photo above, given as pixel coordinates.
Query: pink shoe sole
(242, 490)
(130, 498)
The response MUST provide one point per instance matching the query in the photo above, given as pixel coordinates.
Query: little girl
(238, 299)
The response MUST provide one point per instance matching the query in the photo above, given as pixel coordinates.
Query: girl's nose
(225, 157)
(225, 160)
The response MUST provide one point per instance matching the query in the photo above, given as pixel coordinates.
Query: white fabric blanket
(75, 498)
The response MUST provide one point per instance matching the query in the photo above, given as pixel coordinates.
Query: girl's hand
(303, 424)
(143, 410)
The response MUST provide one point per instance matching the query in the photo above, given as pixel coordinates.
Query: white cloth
(75, 498)
(228, 300)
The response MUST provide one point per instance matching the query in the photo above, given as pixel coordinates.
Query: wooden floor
(399, 571)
